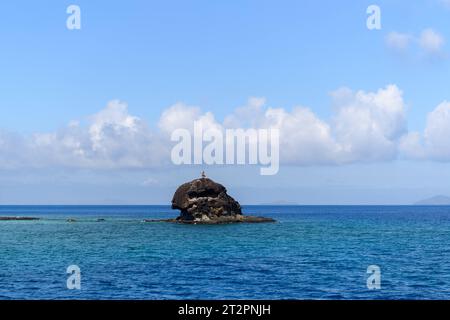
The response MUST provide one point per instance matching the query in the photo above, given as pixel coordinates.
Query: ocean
(312, 252)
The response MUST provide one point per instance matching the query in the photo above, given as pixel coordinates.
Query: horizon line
(259, 205)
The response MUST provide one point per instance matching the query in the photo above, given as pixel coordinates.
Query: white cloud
(431, 41)
(112, 139)
(364, 127)
(428, 43)
(183, 116)
(434, 142)
(247, 116)
(304, 138)
(368, 125)
(437, 132)
(178, 116)
(399, 41)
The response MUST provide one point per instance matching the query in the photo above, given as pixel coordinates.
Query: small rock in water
(18, 218)
(71, 220)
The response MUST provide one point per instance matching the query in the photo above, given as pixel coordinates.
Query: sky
(86, 115)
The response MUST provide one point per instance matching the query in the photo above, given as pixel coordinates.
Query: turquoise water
(313, 252)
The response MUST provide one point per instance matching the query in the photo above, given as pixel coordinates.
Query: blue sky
(216, 55)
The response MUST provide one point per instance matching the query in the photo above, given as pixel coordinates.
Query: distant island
(434, 201)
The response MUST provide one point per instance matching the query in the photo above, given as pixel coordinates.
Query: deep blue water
(313, 252)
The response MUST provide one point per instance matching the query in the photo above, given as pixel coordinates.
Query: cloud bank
(112, 139)
(364, 127)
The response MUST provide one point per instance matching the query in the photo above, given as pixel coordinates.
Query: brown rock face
(205, 200)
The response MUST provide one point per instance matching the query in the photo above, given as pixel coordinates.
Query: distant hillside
(434, 201)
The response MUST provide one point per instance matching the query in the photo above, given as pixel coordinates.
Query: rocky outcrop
(205, 201)
(18, 218)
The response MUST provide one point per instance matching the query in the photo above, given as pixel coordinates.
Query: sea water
(312, 252)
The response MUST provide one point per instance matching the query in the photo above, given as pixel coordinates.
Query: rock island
(203, 201)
